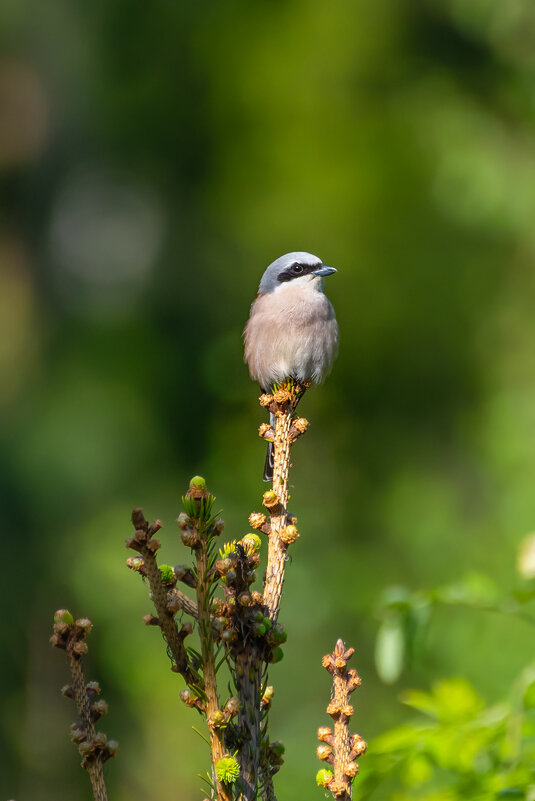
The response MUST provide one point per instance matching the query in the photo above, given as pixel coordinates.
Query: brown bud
(270, 499)
(324, 751)
(183, 521)
(151, 620)
(80, 648)
(86, 749)
(353, 680)
(358, 745)
(339, 663)
(257, 597)
(154, 545)
(77, 733)
(333, 709)
(131, 543)
(216, 719)
(323, 733)
(99, 708)
(265, 431)
(337, 788)
(232, 707)
(62, 628)
(67, 691)
(244, 599)
(100, 739)
(289, 534)
(351, 770)
(189, 537)
(187, 697)
(138, 519)
(281, 395)
(347, 710)
(301, 424)
(265, 400)
(113, 747)
(154, 527)
(135, 563)
(327, 662)
(140, 536)
(257, 519)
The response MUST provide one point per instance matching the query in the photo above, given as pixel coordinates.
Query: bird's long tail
(270, 455)
(268, 465)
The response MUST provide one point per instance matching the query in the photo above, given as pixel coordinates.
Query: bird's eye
(297, 269)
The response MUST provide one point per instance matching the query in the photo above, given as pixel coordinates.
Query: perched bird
(292, 330)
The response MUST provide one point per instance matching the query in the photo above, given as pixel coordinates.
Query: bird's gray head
(291, 267)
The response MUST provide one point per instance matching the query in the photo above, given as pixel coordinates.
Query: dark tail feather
(270, 455)
(268, 466)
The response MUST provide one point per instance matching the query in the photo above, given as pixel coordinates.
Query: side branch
(93, 746)
(340, 749)
(143, 542)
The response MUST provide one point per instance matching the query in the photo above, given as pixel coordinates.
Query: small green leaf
(390, 650)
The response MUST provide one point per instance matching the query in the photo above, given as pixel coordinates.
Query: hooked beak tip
(324, 270)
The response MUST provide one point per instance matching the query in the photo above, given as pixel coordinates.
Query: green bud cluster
(227, 770)
(323, 777)
(167, 574)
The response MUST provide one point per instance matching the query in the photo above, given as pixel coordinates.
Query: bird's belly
(298, 341)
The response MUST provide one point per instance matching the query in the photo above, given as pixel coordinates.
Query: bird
(292, 331)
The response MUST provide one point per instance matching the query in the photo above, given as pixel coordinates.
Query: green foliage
(458, 748)
(405, 616)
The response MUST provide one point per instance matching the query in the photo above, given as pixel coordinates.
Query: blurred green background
(155, 157)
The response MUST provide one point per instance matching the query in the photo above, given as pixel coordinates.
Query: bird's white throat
(304, 284)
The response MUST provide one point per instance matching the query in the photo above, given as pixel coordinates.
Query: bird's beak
(324, 270)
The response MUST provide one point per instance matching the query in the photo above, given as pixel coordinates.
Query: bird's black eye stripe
(294, 271)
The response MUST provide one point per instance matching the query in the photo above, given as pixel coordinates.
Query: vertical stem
(217, 745)
(94, 764)
(342, 738)
(341, 748)
(248, 670)
(277, 548)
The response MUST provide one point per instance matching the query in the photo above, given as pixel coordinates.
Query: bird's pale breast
(292, 332)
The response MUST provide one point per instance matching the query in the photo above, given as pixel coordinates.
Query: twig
(146, 545)
(282, 530)
(341, 748)
(177, 600)
(93, 746)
